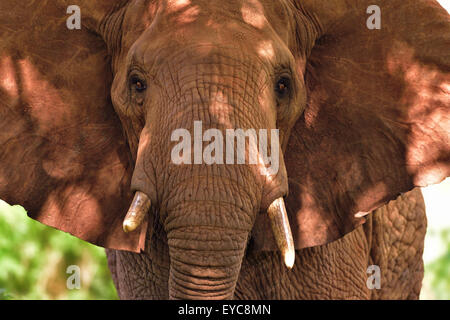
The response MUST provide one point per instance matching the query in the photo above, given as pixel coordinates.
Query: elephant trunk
(201, 270)
(207, 231)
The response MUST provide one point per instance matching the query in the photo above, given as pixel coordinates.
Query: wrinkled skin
(392, 239)
(362, 118)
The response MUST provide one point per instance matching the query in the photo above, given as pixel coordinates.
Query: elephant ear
(62, 152)
(377, 120)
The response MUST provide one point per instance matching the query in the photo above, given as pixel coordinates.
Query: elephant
(354, 96)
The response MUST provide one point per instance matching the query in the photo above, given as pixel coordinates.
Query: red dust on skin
(360, 143)
(253, 14)
(8, 81)
(427, 93)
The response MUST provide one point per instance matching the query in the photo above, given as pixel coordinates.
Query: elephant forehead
(207, 62)
(185, 11)
(243, 25)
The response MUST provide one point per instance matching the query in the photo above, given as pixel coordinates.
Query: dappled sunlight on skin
(253, 14)
(223, 113)
(182, 12)
(43, 100)
(312, 112)
(63, 156)
(224, 64)
(265, 50)
(375, 189)
(143, 178)
(44, 104)
(445, 88)
(221, 110)
(175, 5)
(8, 81)
(147, 18)
(307, 221)
(427, 96)
(213, 24)
(429, 177)
(47, 108)
(142, 161)
(77, 197)
(144, 142)
(245, 28)
(192, 22)
(189, 15)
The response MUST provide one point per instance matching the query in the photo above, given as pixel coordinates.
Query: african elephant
(359, 116)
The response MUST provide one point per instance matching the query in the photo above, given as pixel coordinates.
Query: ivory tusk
(137, 212)
(282, 231)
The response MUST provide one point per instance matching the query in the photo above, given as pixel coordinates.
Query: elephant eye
(282, 87)
(138, 84)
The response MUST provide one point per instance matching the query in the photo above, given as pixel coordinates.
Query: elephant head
(90, 121)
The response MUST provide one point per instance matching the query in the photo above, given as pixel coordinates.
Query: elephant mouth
(277, 213)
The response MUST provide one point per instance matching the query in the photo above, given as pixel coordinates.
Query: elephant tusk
(136, 214)
(282, 231)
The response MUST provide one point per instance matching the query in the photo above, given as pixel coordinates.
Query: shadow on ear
(377, 121)
(62, 152)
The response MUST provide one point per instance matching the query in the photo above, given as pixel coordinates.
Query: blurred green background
(34, 258)
(437, 273)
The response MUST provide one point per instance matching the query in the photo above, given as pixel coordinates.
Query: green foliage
(437, 273)
(34, 259)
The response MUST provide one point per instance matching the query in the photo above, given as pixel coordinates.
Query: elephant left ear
(377, 120)
(63, 155)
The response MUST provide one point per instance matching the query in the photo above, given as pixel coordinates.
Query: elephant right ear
(377, 119)
(62, 151)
